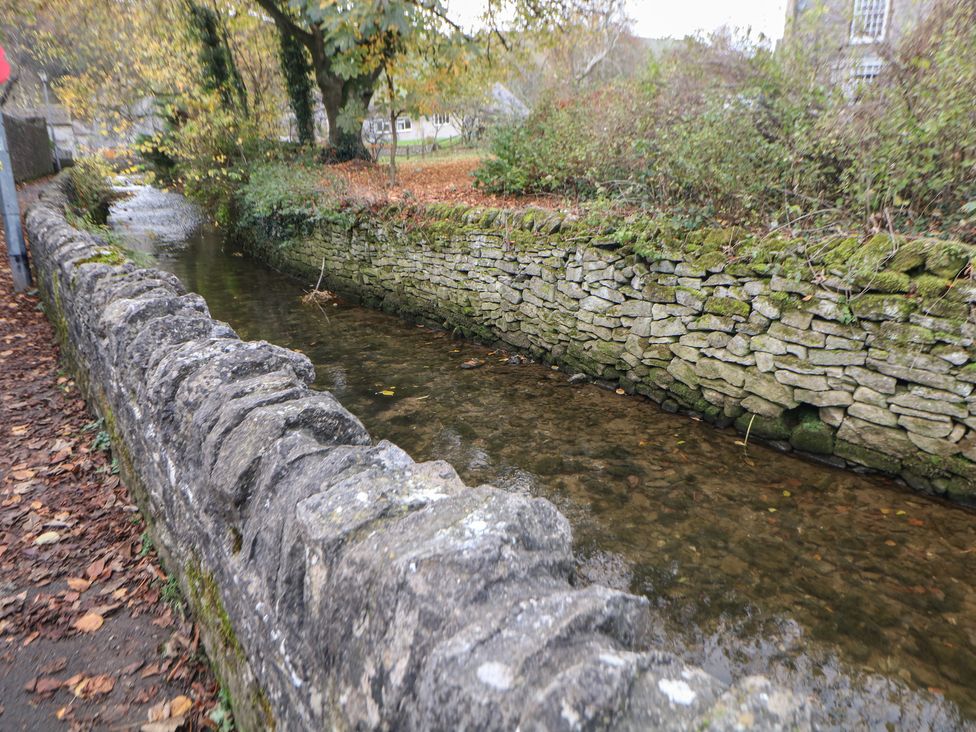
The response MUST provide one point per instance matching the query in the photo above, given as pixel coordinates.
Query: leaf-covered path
(92, 634)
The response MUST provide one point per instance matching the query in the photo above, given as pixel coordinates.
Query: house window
(866, 70)
(869, 21)
(441, 119)
(403, 124)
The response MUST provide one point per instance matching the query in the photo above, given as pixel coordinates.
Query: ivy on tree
(219, 70)
(351, 45)
(297, 73)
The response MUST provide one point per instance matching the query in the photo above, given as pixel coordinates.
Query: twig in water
(321, 273)
(745, 443)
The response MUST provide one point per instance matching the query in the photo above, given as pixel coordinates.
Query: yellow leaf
(771, 509)
(48, 537)
(787, 494)
(180, 706)
(78, 584)
(388, 392)
(89, 622)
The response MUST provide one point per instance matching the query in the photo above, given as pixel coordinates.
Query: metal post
(47, 118)
(16, 249)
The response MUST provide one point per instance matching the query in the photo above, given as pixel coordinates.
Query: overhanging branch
(285, 23)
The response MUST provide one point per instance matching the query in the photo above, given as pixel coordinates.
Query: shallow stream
(848, 587)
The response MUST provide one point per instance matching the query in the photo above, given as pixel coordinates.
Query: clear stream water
(847, 587)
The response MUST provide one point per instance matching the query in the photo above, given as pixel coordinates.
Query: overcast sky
(678, 18)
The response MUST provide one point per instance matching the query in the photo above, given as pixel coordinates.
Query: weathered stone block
(866, 377)
(837, 358)
(769, 389)
(811, 339)
(886, 440)
(802, 381)
(874, 414)
(829, 398)
(926, 427)
(708, 368)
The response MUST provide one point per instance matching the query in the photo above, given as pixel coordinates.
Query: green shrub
(91, 188)
(289, 198)
(209, 145)
(728, 129)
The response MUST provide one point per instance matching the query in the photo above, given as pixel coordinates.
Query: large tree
(348, 43)
(353, 43)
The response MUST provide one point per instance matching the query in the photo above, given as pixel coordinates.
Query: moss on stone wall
(682, 316)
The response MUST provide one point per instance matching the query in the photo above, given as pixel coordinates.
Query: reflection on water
(754, 561)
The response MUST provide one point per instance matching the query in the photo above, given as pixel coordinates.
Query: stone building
(856, 31)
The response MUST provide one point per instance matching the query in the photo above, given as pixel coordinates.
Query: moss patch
(768, 428)
(727, 306)
(813, 436)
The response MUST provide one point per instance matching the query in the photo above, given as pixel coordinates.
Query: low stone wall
(31, 154)
(860, 352)
(339, 584)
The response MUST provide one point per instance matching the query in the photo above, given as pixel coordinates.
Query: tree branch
(285, 23)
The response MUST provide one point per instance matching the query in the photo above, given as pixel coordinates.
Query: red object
(4, 67)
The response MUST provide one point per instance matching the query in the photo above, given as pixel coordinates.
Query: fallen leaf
(101, 684)
(78, 584)
(48, 537)
(55, 666)
(158, 712)
(169, 725)
(47, 684)
(180, 705)
(90, 686)
(89, 622)
(132, 668)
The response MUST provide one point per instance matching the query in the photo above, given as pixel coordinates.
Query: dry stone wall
(857, 351)
(341, 585)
